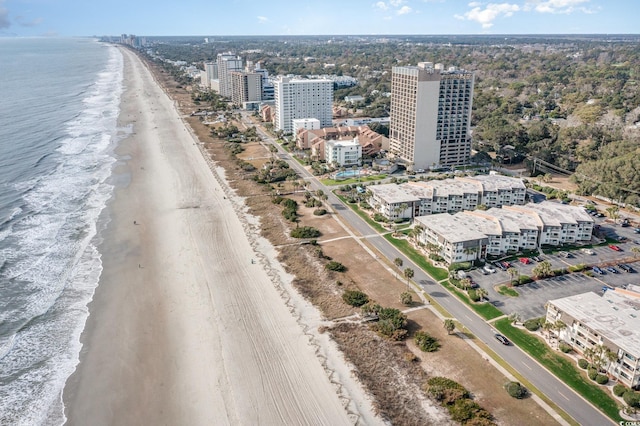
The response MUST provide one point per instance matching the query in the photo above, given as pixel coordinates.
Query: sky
(316, 17)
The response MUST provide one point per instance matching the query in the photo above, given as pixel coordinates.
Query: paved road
(581, 411)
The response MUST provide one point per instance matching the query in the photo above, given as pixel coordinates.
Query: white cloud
(263, 19)
(396, 3)
(556, 6)
(486, 16)
(381, 5)
(404, 10)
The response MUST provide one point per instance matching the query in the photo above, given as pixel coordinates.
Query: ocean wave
(50, 264)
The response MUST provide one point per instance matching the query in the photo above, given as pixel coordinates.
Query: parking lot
(533, 296)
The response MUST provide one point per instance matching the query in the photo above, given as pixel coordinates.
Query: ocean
(59, 104)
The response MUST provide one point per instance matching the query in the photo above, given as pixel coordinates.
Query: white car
(490, 269)
(588, 251)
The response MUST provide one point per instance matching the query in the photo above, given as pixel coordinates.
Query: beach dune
(184, 327)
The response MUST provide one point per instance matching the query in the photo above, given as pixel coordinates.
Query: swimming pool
(347, 174)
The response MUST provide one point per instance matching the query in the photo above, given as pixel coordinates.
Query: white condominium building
(471, 235)
(448, 195)
(302, 98)
(611, 320)
(343, 152)
(227, 63)
(431, 115)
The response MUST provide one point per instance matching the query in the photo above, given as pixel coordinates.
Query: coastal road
(562, 395)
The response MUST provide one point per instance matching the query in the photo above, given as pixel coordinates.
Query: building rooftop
(460, 227)
(496, 183)
(555, 214)
(392, 193)
(613, 316)
(515, 220)
(476, 224)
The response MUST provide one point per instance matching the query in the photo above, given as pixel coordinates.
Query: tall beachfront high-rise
(430, 115)
(227, 63)
(302, 98)
(245, 87)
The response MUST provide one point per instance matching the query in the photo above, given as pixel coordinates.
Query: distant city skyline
(315, 17)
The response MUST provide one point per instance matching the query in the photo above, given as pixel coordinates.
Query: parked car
(598, 270)
(536, 259)
(614, 247)
(525, 260)
(565, 254)
(500, 338)
(506, 265)
(489, 269)
(612, 270)
(626, 267)
(637, 230)
(588, 251)
(500, 266)
(625, 223)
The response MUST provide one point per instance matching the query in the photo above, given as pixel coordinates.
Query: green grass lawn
(375, 225)
(333, 182)
(561, 367)
(507, 291)
(437, 274)
(485, 310)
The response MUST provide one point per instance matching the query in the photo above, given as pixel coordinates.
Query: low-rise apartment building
(611, 320)
(450, 195)
(470, 235)
(343, 153)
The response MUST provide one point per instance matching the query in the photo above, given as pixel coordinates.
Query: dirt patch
(384, 367)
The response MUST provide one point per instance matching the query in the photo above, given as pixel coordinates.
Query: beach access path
(184, 327)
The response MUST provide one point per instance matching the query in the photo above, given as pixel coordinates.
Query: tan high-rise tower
(430, 115)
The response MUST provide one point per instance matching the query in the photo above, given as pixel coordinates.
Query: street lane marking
(527, 365)
(562, 395)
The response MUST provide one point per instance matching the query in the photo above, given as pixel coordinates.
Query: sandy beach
(187, 326)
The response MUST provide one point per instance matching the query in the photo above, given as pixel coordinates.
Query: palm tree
(482, 293)
(558, 326)
(398, 262)
(449, 325)
(513, 273)
(613, 213)
(547, 326)
(542, 269)
(408, 274)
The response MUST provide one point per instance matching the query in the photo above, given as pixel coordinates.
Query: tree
(406, 298)
(449, 325)
(426, 342)
(613, 212)
(398, 262)
(481, 293)
(513, 273)
(542, 269)
(355, 298)
(408, 274)
(636, 251)
(558, 326)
